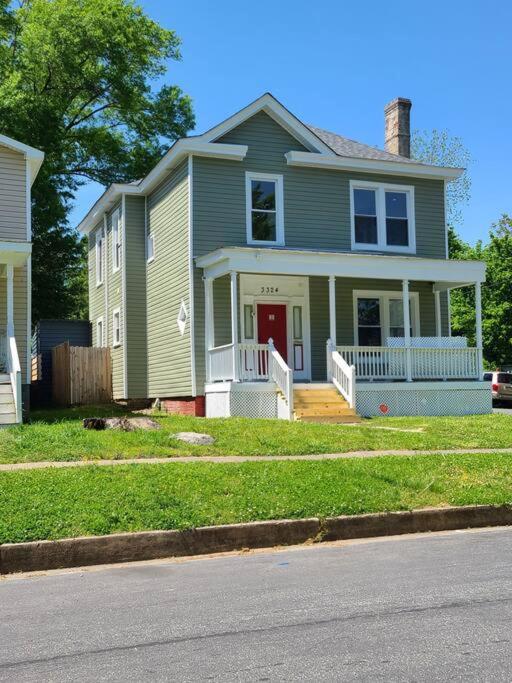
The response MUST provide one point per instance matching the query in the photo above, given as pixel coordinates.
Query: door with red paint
(272, 324)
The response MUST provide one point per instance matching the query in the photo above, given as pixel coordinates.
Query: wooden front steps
(322, 404)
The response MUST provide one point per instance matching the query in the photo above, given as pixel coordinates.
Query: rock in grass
(195, 438)
(124, 424)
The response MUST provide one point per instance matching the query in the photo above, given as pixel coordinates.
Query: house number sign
(269, 290)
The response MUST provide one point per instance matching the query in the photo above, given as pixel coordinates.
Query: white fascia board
(312, 160)
(34, 156)
(280, 114)
(372, 266)
(178, 152)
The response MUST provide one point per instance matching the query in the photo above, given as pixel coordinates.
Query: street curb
(150, 545)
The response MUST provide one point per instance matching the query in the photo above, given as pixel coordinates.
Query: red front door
(272, 324)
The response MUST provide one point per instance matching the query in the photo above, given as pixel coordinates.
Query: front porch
(284, 326)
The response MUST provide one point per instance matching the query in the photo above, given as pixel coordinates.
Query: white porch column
(10, 300)
(332, 309)
(479, 340)
(209, 331)
(437, 301)
(407, 329)
(234, 322)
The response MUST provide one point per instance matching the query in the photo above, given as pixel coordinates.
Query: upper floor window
(100, 256)
(264, 203)
(150, 248)
(382, 217)
(116, 240)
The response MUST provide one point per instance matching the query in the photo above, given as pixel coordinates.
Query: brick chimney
(397, 115)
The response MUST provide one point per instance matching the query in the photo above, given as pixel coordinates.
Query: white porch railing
(221, 363)
(385, 363)
(14, 370)
(282, 375)
(253, 362)
(341, 374)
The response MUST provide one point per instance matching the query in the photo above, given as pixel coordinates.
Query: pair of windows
(101, 248)
(382, 217)
(381, 315)
(101, 333)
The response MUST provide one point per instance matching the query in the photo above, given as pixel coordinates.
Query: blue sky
(336, 64)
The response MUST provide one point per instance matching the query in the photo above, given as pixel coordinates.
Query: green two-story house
(270, 268)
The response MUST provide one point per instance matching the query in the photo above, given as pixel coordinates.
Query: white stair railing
(14, 370)
(341, 374)
(282, 375)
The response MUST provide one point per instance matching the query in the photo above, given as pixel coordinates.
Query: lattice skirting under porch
(423, 398)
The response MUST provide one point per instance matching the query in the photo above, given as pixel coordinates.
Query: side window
(100, 256)
(116, 240)
(264, 202)
(99, 333)
(116, 327)
(150, 248)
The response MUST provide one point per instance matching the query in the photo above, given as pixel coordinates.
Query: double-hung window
(382, 217)
(380, 315)
(116, 327)
(99, 332)
(100, 256)
(116, 241)
(264, 204)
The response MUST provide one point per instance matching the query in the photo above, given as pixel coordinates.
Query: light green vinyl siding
(169, 352)
(222, 310)
(316, 201)
(106, 298)
(96, 294)
(135, 280)
(13, 193)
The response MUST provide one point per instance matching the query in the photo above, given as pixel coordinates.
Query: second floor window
(116, 240)
(100, 256)
(382, 217)
(264, 199)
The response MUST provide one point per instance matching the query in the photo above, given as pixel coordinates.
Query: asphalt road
(409, 609)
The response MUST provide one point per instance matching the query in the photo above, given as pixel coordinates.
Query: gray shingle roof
(345, 147)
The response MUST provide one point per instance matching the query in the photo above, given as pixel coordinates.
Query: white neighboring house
(19, 166)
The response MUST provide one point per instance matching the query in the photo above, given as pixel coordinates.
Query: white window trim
(116, 311)
(278, 180)
(100, 238)
(150, 237)
(380, 201)
(116, 221)
(384, 297)
(102, 322)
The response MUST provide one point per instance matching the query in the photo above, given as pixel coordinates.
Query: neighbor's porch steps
(322, 404)
(7, 407)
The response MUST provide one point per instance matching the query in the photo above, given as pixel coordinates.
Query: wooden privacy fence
(81, 375)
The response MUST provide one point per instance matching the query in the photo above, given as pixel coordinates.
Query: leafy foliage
(76, 81)
(438, 148)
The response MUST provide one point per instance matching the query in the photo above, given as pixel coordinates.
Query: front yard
(58, 503)
(59, 435)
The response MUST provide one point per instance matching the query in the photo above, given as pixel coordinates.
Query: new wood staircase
(7, 407)
(322, 403)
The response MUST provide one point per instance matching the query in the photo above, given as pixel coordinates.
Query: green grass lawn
(51, 504)
(58, 435)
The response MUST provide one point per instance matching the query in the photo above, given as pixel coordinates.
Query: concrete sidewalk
(11, 467)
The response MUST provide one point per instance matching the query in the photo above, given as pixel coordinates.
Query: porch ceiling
(447, 273)
(14, 253)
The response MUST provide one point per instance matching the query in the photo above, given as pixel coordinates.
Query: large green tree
(78, 80)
